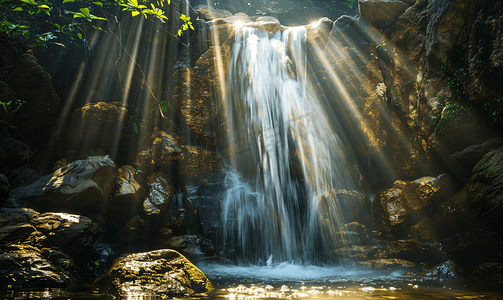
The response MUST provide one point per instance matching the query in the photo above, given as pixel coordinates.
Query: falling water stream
(285, 150)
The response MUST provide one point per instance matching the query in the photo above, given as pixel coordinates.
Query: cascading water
(286, 151)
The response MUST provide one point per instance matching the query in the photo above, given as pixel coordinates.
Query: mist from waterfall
(284, 154)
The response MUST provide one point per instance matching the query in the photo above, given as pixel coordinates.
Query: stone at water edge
(445, 269)
(387, 263)
(489, 272)
(77, 187)
(158, 273)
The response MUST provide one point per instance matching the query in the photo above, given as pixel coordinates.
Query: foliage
(69, 17)
(11, 107)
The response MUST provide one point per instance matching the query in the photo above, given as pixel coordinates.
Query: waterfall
(284, 154)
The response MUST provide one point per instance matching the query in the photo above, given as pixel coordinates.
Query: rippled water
(288, 281)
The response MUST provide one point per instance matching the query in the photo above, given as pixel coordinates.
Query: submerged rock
(77, 187)
(159, 273)
(489, 272)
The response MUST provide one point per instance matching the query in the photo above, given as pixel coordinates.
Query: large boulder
(78, 187)
(485, 188)
(97, 129)
(32, 85)
(382, 13)
(159, 273)
(73, 234)
(395, 209)
(25, 267)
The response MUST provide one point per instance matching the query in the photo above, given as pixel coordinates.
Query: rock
(134, 236)
(160, 193)
(353, 234)
(32, 84)
(163, 150)
(354, 204)
(24, 267)
(423, 230)
(199, 162)
(471, 155)
(159, 273)
(191, 246)
(127, 200)
(445, 269)
(485, 188)
(410, 199)
(466, 249)
(78, 187)
(381, 13)
(73, 234)
(5, 188)
(13, 154)
(387, 264)
(391, 216)
(422, 192)
(455, 216)
(196, 98)
(15, 227)
(488, 272)
(97, 128)
(318, 32)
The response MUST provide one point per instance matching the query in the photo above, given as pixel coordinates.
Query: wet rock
(73, 234)
(205, 197)
(176, 218)
(190, 246)
(160, 273)
(445, 269)
(381, 13)
(163, 150)
(488, 272)
(32, 85)
(484, 188)
(198, 162)
(318, 32)
(198, 90)
(354, 234)
(395, 208)
(101, 127)
(77, 187)
(422, 192)
(160, 193)
(15, 227)
(387, 264)
(390, 217)
(24, 267)
(126, 202)
(353, 203)
(207, 12)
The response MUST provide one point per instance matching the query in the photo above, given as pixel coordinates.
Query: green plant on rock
(11, 107)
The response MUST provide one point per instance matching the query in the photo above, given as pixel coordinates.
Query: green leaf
(66, 1)
(163, 107)
(79, 35)
(98, 3)
(135, 127)
(134, 13)
(79, 15)
(97, 18)
(59, 44)
(85, 11)
(44, 6)
(18, 9)
(134, 3)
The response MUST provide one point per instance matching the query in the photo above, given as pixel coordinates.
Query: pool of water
(287, 281)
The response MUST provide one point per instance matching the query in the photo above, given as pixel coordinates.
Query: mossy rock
(156, 273)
